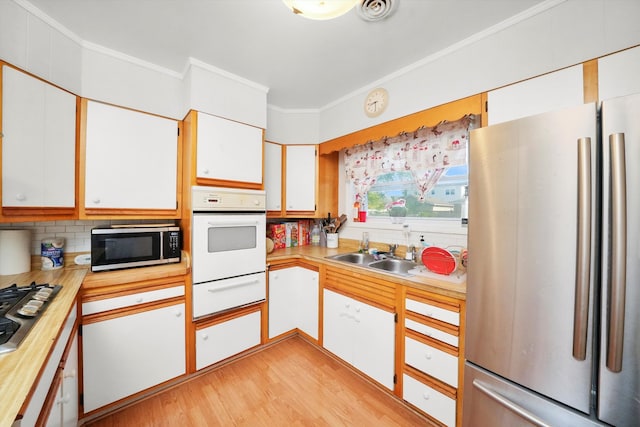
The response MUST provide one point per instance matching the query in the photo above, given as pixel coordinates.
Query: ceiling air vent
(376, 10)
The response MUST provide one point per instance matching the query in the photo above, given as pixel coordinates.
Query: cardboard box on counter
(277, 233)
(291, 229)
(304, 232)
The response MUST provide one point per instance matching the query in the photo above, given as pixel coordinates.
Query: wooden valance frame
(429, 117)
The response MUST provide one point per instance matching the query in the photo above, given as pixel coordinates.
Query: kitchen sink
(390, 265)
(393, 265)
(354, 258)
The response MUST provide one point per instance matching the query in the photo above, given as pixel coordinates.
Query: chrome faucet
(411, 253)
(392, 249)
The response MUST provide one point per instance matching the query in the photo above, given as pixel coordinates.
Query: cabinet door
(374, 342)
(70, 387)
(273, 175)
(307, 301)
(217, 342)
(38, 147)
(128, 354)
(282, 301)
(557, 90)
(300, 178)
(228, 150)
(337, 328)
(131, 159)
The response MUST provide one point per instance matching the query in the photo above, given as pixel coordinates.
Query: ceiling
(305, 64)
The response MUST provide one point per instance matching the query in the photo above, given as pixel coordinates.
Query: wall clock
(376, 102)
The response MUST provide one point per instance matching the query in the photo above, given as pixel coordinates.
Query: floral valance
(426, 152)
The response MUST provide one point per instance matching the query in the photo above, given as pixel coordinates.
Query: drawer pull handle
(233, 285)
(205, 337)
(428, 356)
(178, 313)
(139, 300)
(425, 396)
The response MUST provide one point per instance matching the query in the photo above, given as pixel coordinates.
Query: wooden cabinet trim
(432, 322)
(442, 302)
(429, 117)
(226, 316)
(432, 342)
(443, 388)
(365, 288)
(130, 310)
(122, 289)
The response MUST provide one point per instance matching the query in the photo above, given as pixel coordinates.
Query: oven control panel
(227, 199)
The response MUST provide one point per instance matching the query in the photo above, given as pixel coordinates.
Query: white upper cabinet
(38, 147)
(273, 175)
(618, 74)
(300, 178)
(557, 90)
(131, 159)
(228, 150)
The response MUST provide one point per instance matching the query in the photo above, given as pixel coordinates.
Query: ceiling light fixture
(320, 9)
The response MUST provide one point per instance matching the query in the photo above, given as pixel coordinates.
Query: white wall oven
(228, 249)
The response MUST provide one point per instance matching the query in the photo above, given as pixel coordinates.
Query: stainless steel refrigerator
(553, 289)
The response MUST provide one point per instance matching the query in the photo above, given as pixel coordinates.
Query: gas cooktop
(20, 309)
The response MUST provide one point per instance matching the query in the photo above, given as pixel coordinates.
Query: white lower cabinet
(361, 335)
(131, 353)
(434, 403)
(293, 301)
(63, 409)
(430, 360)
(219, 341)
(432, 335)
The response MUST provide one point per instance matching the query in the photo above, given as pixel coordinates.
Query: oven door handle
(233, 285)
(234, 223)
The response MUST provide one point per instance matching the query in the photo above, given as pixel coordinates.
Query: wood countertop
(20, 369)
(318, 254)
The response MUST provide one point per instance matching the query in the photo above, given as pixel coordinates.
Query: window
(396, 194)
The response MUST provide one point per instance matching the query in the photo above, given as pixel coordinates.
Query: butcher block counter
(319, 254)
(19, 369)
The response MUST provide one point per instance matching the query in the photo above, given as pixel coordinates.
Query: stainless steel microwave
(117, 247)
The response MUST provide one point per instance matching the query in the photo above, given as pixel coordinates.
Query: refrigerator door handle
(618, 277)
(504, 401)
(583, 260)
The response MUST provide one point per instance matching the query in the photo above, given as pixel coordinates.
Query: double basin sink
(397, 266)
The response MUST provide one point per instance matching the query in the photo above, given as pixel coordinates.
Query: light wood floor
(291, 383)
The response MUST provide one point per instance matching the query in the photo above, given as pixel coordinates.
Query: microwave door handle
(512, 406)
(618, 276)
(233, 285)
(583, 279)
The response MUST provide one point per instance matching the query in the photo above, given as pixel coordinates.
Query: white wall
(114, 78)
(223, 94)
(30, 43)
(36, 43)
(566, 34)
(292, 126)
(619, 74)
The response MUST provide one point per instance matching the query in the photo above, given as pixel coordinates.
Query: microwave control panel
(227, 199)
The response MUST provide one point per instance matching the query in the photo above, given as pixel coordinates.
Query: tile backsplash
(76, 234)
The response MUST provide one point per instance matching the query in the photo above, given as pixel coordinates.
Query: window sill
(444, 226)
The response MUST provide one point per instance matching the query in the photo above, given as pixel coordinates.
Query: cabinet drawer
(217, 342)
(220, 295)
(432, 402)
(431, 332)
(432, 361)
(107, 304)
(433, 311)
